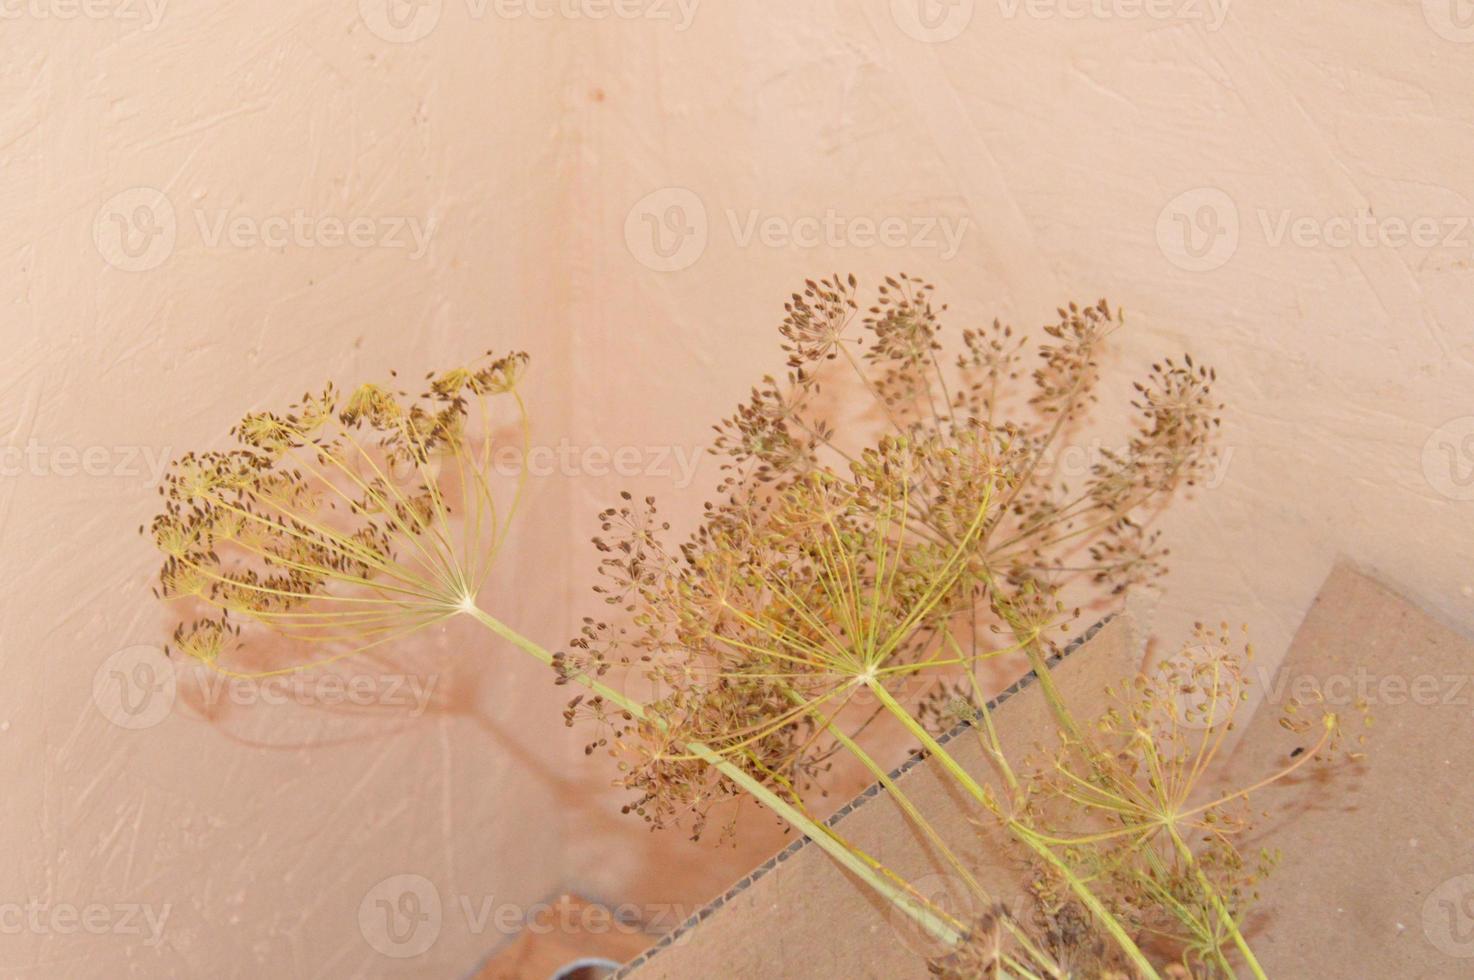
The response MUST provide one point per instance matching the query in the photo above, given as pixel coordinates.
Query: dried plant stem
(1087, 898)
(1224, 916)
(1045, 676)
(914, 813)
(930, 920)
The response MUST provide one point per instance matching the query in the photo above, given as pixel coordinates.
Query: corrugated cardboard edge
(682, 932)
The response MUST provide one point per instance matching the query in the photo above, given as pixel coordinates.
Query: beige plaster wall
(255, 834)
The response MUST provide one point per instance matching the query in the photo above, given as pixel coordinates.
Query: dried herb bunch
(836, 581)
(864, 563)
(345, 524)
(833, 565)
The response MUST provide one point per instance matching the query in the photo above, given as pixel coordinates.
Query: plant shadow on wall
(846, 582)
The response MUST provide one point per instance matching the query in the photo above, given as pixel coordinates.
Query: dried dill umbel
(1137, 805)
(340, 525)
(863, 548)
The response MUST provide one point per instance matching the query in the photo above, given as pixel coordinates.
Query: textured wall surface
(630, 197)
(254, 137)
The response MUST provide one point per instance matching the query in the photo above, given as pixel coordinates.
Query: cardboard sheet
(1377, 879)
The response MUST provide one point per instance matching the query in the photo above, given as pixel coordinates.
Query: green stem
(816, 832)
(1040, 663)
(1088, 898)
(921, 822)
(1223, 914)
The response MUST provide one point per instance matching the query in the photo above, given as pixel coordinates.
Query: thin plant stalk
(1087, 898)
(930, 920)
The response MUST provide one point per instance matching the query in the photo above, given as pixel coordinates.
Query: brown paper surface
(1377, 878)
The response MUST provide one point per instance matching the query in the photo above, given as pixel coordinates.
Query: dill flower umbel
(341, 525)
(858, 556)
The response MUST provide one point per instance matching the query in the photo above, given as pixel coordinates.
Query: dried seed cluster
(880, 544)
(344, 523)
(1133, 803)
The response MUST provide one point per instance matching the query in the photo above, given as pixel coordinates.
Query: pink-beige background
(629, 191)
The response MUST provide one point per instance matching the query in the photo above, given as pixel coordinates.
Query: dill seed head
(851, 536)
(341, 524)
